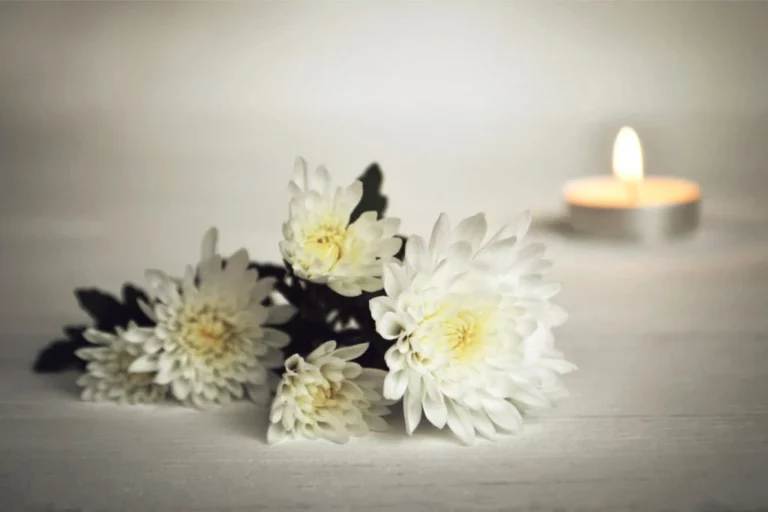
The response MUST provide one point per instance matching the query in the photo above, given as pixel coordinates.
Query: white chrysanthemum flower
(322, 246)
(107, 378)
(471, 324)
(211, 341)
(328, 396)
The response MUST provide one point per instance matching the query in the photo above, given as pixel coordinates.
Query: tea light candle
(629, 205)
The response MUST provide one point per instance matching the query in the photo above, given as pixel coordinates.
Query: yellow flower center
(320, 395)
(207, 332)
(326, 242)
(459, 335)
(462, 332)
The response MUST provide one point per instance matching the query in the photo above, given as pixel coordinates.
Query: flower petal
(376, 423)
(180, 388)
(497, 253)
(336, 435)
(412, 409)
(143, 364)
(460, 422)
(276, 433)
(323, 180)
(459, 253)
(237, 264)
(321, 351)
(379, 306)
(472, 229)
(390, 326)
(300, 173)
(352, 370)
(146, 309)
(441, 234)
(280, 314)
(506, 416)
(394, 358)
(558, 365)
(208, 246)
(389, 247)
(351, 352)
(395, 384)
(275, 338)
(137, 335)
(392, 286)
(434, 407)
(262, 289)
(416, 255)
(483, 424)
(531, 397)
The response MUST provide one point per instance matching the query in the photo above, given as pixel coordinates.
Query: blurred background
(126, 129)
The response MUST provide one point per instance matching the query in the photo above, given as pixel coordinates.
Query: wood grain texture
(668, 412)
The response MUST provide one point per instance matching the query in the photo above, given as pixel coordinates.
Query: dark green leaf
(107, 313)
(373, 199)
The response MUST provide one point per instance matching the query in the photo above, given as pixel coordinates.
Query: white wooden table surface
(668, 412)
(127, 128)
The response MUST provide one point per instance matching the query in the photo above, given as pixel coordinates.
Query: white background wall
(127, 129)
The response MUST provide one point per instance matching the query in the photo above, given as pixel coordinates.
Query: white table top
(668, 412)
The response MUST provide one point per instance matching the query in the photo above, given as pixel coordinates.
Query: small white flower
(211, 341)
(471, 324)
(107, 377)
(322, 246)
(328, 396)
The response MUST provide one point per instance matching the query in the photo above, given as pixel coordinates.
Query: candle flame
(628, 156)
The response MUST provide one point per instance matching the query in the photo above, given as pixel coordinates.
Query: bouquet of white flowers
(457, 326)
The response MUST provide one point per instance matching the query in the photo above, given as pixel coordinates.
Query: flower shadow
(427, 434)
(63, 383)
(107, 312)
(551, 223)
(424, 433)
(246, 419)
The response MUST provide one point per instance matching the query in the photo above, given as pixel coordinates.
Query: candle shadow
(551, 223)
(554, 223)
